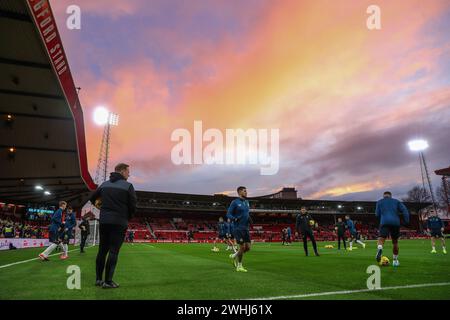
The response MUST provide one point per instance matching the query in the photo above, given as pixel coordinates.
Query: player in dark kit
(84, 228)
(303, 225)
(221, 230)
(229, 231)
(435, 228)
(69, 223)
(288, 236)
(131, 236)
(54, 231)
(387, 211)
(340, 231)
(239, 213)
(354, 234)
(118, 205)
(283, 236)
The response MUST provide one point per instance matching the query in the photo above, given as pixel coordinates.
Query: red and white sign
(46, 25)
(21, 243)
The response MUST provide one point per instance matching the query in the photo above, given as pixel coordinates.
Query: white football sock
(395, 256)
(433, 247)
(380, 247)
(351, 244)
(66, 249)
(360, 242)
(49, 250)
(235, 254)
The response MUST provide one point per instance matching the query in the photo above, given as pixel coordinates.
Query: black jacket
(302, 222)
(84, 224)
(118, 200)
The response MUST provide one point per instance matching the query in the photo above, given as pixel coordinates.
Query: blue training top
(56, 221)
(70, 222)
(350, 225)
(434, 223)
(239, 213)
(388, 210)
(221, 227)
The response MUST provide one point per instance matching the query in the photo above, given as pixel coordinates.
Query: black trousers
(344, 239)
(83, 240)
(111, 239)
(305, 235)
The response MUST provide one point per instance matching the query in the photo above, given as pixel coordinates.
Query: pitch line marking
(438, 284)
(37, 258)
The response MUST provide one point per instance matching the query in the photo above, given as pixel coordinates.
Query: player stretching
(303, 224)
(222, 234)
(387, 211)
(67, 234)
(435, 227)
(53, 231)
(239, 213)
(354, 235)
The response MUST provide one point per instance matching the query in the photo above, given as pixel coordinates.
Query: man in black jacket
(85, 231)
(340, 231)
(118, 205)
(303, 226)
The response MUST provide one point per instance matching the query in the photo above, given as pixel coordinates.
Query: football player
(303, 224)
(435, 228)
(387, 211)
(354, 234)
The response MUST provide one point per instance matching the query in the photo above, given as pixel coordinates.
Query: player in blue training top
(229, 236)
(387, 211)
(221, 230)
(435, 227)
(354, 234)
(69, 224)
(54, 231)
(288, 236)
(239, 214)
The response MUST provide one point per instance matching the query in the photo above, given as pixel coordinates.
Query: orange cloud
(345, 189)
(310, 68)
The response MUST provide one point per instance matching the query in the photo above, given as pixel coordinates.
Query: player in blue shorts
(387, 211)
(239, 213)
(221, 229)
(435, 228)
(354, 235)
(54, 231)
(288, 236)
(229, 236)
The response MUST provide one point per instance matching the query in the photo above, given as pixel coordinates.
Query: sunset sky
(345, 99)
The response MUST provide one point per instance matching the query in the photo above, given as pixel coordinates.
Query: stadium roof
(443, 172)
(42, 138)
(153, 202)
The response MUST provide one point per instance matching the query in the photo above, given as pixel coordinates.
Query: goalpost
(93, 215)
(93, 236)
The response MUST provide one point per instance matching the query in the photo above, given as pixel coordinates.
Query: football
(98, 203)
(384, 261)
(312, 222)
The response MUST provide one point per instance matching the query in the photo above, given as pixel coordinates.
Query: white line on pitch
(332, 293)
(37, 258)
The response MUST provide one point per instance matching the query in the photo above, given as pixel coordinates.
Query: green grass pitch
(193, 271)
